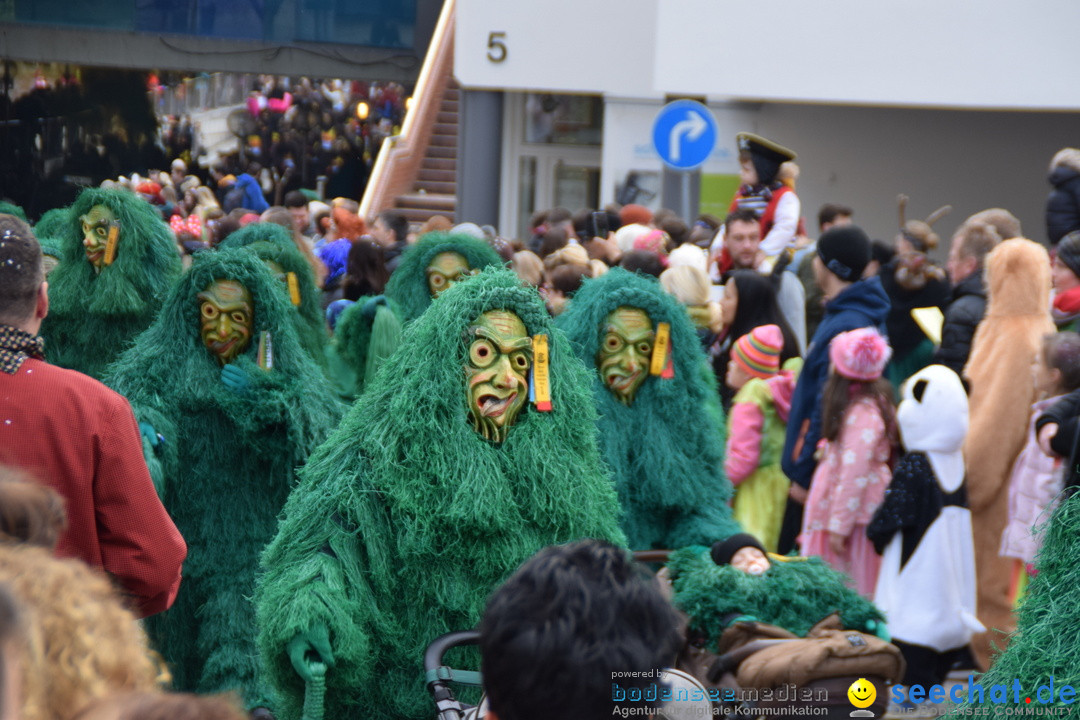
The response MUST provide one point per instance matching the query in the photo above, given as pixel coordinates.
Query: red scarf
(1067, 303)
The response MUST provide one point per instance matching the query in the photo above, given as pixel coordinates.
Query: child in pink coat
(1037, 478)
(756, 426)
(859, 439)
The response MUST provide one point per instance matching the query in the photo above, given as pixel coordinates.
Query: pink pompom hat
(860, 354)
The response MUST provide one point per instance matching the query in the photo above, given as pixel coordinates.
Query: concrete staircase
(435, 189)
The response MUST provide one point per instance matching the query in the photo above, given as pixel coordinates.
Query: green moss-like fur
(48, 230)
(407, 297)
(273, 242)
(7, 208)
(794, 594)
(406, 518)
(666, 451)
(408, 287)
(93, 317)
(1047, 635)
(366, 335)
(227, 462)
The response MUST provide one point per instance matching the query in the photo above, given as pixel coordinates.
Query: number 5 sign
(496, 47)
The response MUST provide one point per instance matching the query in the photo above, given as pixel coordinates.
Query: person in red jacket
(80, 438)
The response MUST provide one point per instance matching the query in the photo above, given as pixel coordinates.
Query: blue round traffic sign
(684, 134)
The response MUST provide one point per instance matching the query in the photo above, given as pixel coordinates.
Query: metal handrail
(442, 35)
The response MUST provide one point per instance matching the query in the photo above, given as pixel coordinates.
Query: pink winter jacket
(746, 449)
(1034, 484)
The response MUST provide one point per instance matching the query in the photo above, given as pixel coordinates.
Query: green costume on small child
(235, 404)
(794, 593)
(100, 300)
(663, 438)
(369, 331)
(438, 483)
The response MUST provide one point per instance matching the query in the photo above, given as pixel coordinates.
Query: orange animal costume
(1002, 390)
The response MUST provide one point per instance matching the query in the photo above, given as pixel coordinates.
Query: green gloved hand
(235, 379)
(309, 649)
(878, 628)
(150, 434)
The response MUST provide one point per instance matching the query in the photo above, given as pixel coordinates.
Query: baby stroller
(437, 675)
(759, 669)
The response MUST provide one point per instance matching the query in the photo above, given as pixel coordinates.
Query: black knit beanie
(1069, 251)
(845, 251)
(724, 550)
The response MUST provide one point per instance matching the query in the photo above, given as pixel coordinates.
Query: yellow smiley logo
(862, 693)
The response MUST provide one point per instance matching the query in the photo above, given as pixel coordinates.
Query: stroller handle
(433, 656)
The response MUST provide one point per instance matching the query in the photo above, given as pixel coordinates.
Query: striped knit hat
(758, 352)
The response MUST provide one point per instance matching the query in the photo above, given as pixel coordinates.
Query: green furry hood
(794, 594)
(147, 260)
(48, 229)
(273, 242)
(93, 317)
(666, 451)
(7, 208)
(408, 288)
(169, 367)
(171, 354)
(406, 519)
(413, 425)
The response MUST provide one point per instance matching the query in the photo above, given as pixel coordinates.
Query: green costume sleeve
(367, 333)
(160, 459)
(318, 549)
(385, 338)
(273, 404)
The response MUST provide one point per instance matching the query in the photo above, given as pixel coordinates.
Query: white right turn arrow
(693, 126)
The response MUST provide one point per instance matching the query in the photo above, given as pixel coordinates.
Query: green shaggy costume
(1043, 649)
(7, 208)
(273, 243)
(666, 450)
(94, 316)
(48, 229)
(407, 518)
(227, 458)
(794, 594)
(369, 331)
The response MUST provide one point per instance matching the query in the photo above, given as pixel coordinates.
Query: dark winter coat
(904, 333)
(961, 318)
(1063, 205)
(863, 304)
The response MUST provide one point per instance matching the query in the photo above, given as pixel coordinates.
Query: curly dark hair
(568, 621)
